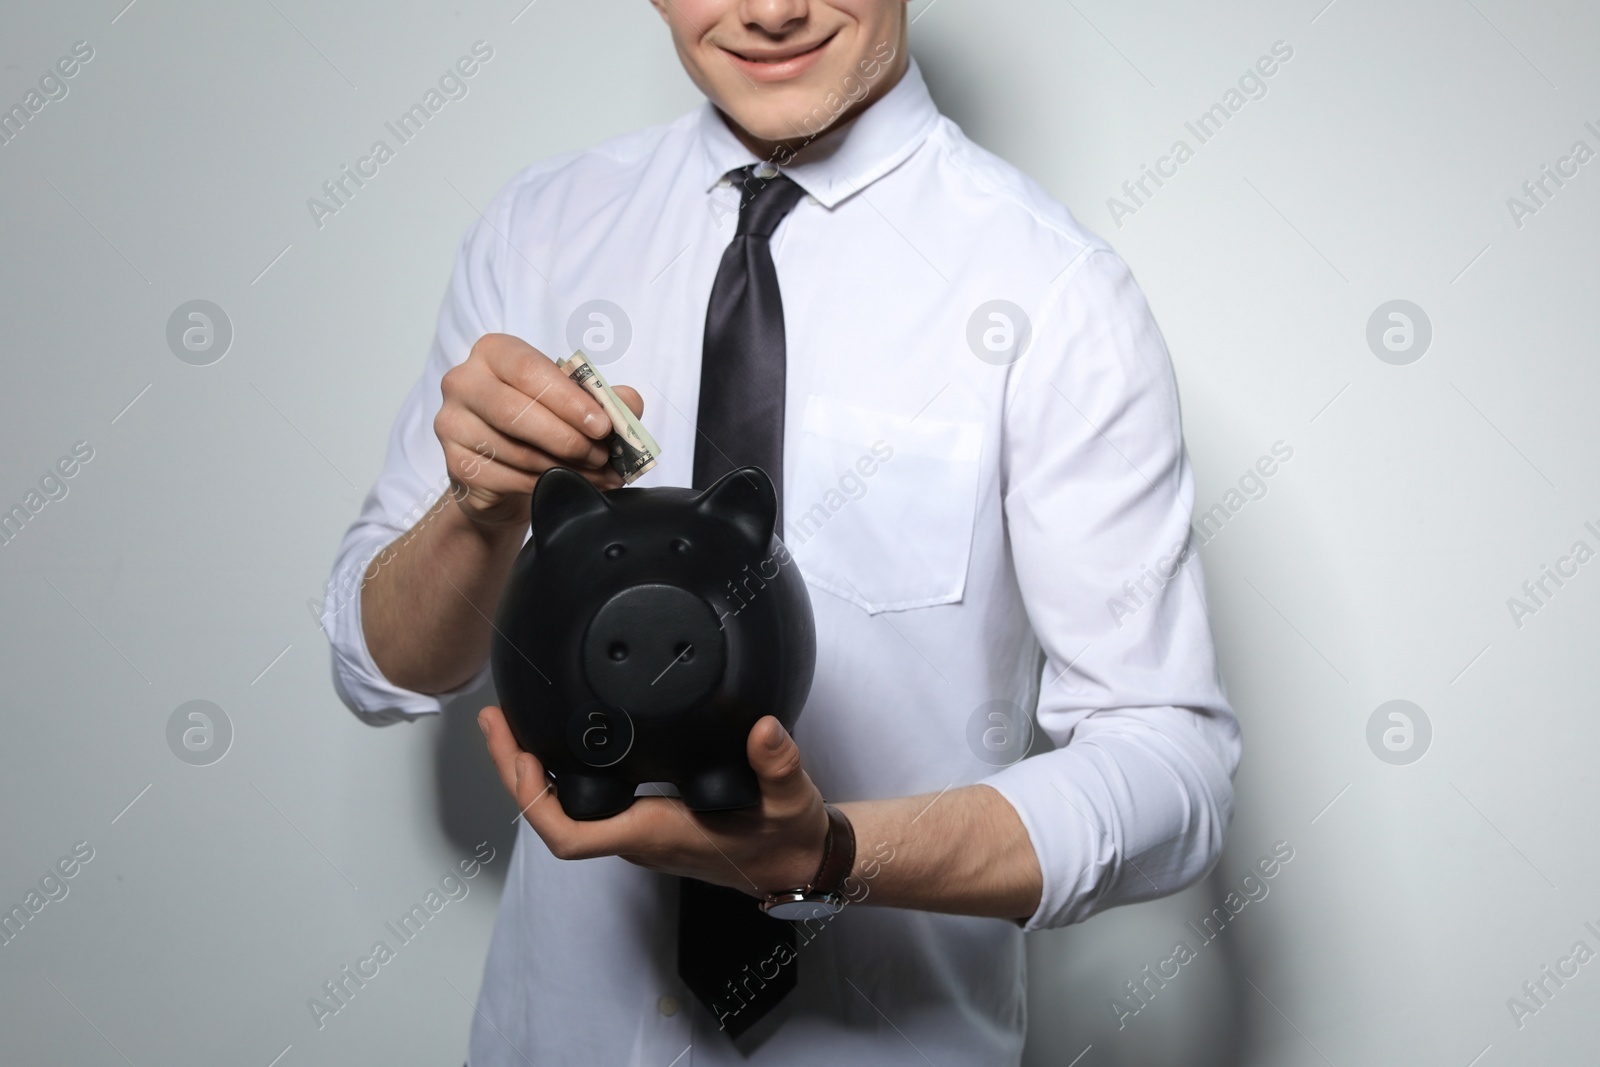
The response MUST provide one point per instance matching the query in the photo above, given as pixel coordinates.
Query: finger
(639, 829)
(630, 396)
(534, 791)
(528, 418)
(503, 747)
(525, 368)
(472, 470)
(523, 776)
(471, 445)
(775, 757)
(604, 478)
(491, 480)
(516, 463)
(521, 423)
(520, 772)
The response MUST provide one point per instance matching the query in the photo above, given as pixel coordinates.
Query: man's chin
(783, 125)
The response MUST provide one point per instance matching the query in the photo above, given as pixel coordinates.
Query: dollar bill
(633, 450)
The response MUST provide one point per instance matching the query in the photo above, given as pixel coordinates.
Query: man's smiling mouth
(780, 55)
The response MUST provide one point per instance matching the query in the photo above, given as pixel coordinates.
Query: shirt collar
(844, 160)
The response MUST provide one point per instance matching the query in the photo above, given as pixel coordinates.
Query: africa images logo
(52, 88)
(453, 85)
(1537, 592)
(1142, 989)
(338, 991)
(1252, 85)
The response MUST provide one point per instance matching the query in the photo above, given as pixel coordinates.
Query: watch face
(797, 908)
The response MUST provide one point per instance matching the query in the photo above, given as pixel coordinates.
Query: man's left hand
(773, 846)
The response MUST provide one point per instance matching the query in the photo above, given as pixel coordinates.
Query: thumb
(775, 757)
(630, 396)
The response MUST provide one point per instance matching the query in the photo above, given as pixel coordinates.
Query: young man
(972, 418)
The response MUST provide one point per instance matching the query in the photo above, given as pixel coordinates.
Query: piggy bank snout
(654, 649)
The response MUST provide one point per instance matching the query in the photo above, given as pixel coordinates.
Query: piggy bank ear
(560, 497)
(746, 499)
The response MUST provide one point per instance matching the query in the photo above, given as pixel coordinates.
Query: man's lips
(777, 63)
(778, 55)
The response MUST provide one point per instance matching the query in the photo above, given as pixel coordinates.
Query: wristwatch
(824, 895)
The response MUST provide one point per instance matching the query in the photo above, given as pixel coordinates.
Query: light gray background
(1418, 500)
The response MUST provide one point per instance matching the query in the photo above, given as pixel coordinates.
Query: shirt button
(667, 1005)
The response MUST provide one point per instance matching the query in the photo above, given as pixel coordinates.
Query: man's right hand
(509, 415)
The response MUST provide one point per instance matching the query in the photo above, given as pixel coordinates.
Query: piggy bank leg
(721, 789)
(592, 796)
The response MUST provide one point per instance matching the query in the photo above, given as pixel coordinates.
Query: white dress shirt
(977, 534)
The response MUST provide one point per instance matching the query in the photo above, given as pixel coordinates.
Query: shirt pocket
(880, 508)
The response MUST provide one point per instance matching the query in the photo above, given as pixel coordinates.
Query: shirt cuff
(358, 680)
(1134, 807)
(1072, 863)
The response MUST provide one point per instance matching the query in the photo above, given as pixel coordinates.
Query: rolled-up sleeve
(1134, 800)
(412, 481)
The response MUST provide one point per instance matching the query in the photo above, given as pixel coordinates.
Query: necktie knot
(765, 197)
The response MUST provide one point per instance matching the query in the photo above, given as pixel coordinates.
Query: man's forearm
(963, 852)
(428, 598)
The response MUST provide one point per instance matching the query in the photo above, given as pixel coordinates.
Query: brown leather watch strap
(838, 853)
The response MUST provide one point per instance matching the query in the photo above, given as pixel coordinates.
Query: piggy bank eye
(679, 545)
(614, 551)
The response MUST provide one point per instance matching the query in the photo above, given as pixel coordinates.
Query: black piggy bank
(643, 632)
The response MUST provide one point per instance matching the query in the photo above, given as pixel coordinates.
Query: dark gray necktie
(728, 948)
(742, 358)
